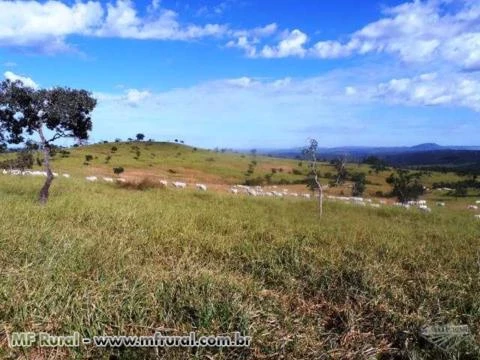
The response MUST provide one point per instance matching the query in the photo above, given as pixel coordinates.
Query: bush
(258, 181)
(141, 185)
(296, 172)
(118, 170)
(88, 158)
(114, 148)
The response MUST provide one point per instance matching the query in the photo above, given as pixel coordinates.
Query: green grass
(103, 260)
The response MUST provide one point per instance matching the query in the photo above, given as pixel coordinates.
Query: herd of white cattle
(271, 191)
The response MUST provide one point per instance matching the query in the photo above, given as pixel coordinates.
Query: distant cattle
(91, 178)
(179, 184)
(202, 187)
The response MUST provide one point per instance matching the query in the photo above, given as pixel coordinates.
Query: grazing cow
(252, 192)
(425, 208)
(472, 207)
(164, 182)
(91, 178)
(201, 187)
(179, 184)
(234, 191)
(307, 196)
(108, 179)
(66, 176)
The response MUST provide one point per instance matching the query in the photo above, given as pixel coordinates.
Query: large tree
(50, 114)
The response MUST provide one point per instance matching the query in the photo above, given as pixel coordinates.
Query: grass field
(358, 283)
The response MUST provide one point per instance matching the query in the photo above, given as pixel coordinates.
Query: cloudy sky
(247, 73)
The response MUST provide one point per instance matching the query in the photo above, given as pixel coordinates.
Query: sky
(258, 74)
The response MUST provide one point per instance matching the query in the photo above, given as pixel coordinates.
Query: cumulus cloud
(292, 44)
(24, 79)
(46, 25)
(247, 40)
(416, 31)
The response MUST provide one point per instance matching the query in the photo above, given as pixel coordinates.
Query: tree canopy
(49, 113)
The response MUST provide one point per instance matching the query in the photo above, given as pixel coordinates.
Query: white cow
(179, 184)
(202, 187)
(425, 208)
(91, 178)
(252, 192)
(108, 179)
(66, 176)
(234, 191)
(164, 182)
(472, 207)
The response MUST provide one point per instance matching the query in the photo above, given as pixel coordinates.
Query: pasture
(359, 283)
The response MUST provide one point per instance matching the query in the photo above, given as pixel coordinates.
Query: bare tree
(310, 154)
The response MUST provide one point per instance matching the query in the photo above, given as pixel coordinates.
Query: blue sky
(244, 73)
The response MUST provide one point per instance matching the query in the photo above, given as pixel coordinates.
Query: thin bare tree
(310, 154)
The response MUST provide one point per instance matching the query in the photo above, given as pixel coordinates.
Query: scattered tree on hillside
(23, 160)
(359, 181)
(340, 167)
(406, 185)
(118, 170)
(59, 112)
(376, 163)
(313, 181)
(140, 137)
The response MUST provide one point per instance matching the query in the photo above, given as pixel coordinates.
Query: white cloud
(350, 91)
(289, 110)
(431, 89)
(46, 25)
(134, 97)
(247, 39)
(418, 31)
(24, 79)
(292, 44)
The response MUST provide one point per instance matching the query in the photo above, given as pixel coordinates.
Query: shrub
(88, 158)
(118, 170)
(141, 185)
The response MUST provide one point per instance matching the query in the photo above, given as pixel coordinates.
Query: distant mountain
(427, 154)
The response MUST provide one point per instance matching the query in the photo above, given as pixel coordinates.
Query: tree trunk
(320, 196)
(44, 192)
